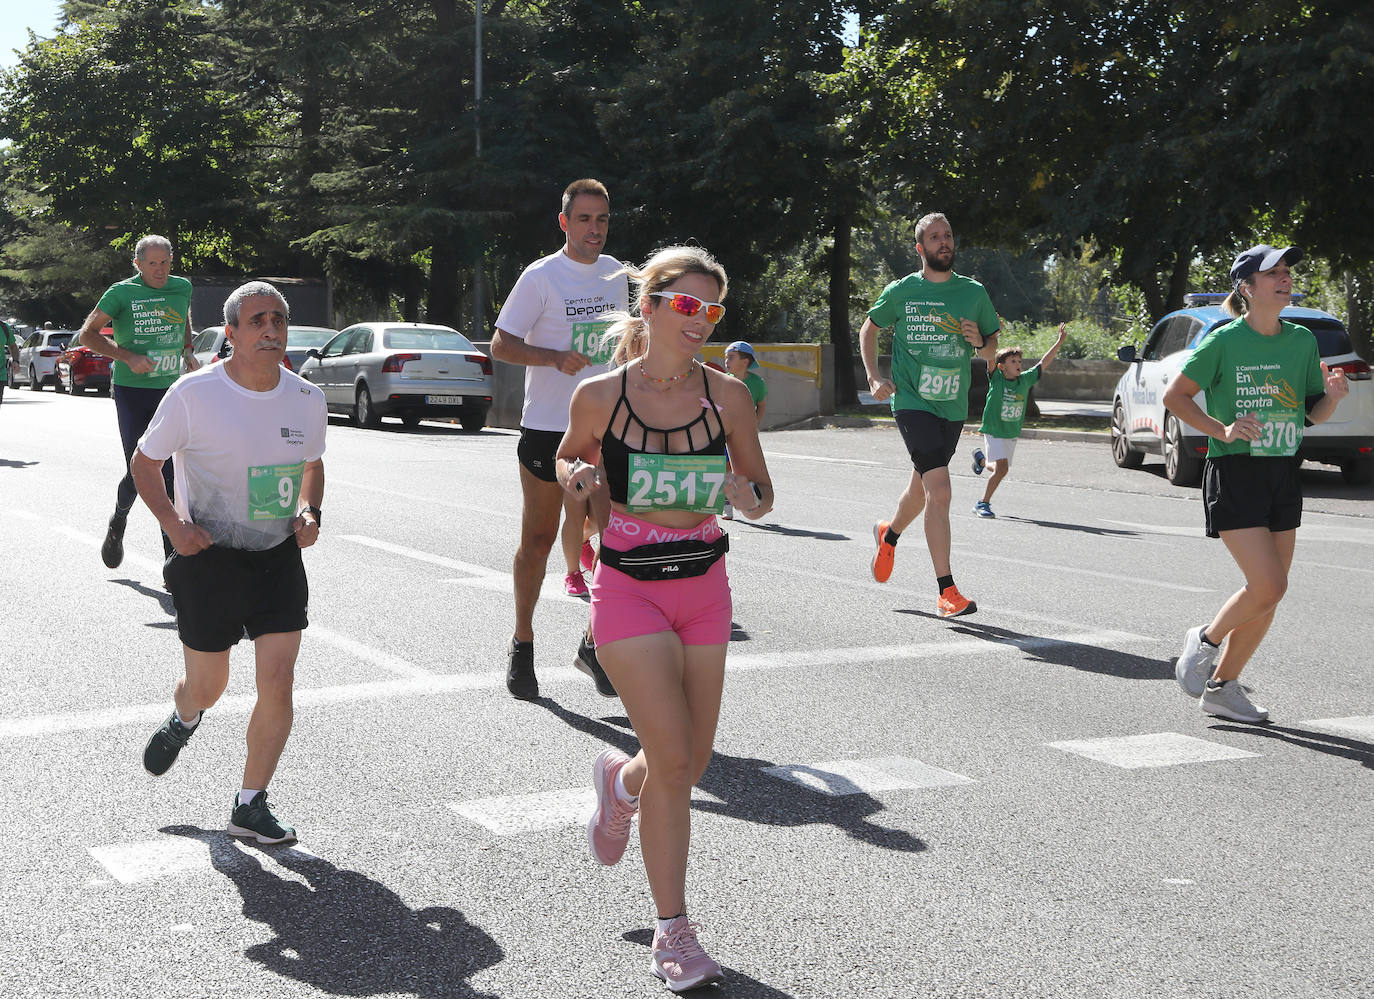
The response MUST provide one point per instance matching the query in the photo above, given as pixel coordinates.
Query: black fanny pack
(668, 559)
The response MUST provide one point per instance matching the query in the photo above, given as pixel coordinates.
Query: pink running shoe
(608, 830)
(574, 585)
(588, 556)
(679, 960)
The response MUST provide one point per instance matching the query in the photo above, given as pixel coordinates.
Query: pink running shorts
(698, 609)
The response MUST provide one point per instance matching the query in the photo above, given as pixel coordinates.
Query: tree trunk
(443, 285)
(840, 335)
(414, 292)
(1359, 307)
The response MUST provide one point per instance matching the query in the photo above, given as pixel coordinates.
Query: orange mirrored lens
(690, 305)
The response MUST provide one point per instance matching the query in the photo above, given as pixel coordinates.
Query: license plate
(443, 400)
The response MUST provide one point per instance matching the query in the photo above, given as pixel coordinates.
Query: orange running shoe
(883, 558)
(952, 603)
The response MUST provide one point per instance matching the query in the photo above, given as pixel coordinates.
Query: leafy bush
(1084, 340)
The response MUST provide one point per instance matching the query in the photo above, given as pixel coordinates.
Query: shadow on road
(1323, 742)
(791, 532)
(736, 985)
(747, 793)
(1102, 532)
(11, 463)
(344, 933)
(163, 598)
(1075, 655)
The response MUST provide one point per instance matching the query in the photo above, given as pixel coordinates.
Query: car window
(1150, 352)
(335, 347)
(59, 339)
(360, 342)
(33, 339)
(297, 336)
(411, 339)
(1332, 339)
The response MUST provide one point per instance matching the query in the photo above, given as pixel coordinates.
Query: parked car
(1140, 424)
(38, 356)
(80, 368)
(410, 370)
(211, 344)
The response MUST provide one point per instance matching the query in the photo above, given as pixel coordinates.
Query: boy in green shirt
(9, 352)
(1003, 413)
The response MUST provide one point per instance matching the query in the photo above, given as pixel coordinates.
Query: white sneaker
(1195, 662)
(1229, 701)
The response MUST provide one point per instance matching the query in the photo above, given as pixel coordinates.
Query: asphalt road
(1016, 803)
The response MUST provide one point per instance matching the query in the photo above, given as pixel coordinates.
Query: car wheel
(72, 387)
(1358, 471)
(34, 384)
(9, 378)
(1122, 452)
(411, 420)
(473, 420)
(1181, 467)
(58, 385)
(364, 415)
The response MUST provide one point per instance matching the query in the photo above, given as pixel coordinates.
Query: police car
(1141, 426)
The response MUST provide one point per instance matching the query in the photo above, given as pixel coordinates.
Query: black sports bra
(617, 446)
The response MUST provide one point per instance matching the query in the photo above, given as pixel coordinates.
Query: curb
(856, 422)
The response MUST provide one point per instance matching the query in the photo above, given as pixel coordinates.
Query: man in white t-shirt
(246, 439)
(552, 323)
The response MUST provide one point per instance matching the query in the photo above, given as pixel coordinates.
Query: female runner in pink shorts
(661, 611)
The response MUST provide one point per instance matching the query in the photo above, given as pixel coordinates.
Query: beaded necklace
(667, 381)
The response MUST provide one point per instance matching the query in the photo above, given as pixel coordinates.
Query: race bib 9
(694, 482)
(273, 490)
(1280, 435)
(587, 339)
(939, 384)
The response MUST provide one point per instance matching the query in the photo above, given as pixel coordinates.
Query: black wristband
(315, 512)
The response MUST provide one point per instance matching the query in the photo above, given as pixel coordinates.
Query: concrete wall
(1065, 379)
(795, 373)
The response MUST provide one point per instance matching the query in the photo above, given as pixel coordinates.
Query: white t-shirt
(239, 455)
(556, 304)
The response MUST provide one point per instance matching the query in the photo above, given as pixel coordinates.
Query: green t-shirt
(1005, 409)
(930, 357)
(7, 337)
(758, 388)
(149, 321)
(1243, 371)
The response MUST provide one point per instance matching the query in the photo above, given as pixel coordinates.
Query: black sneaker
(168, 741)
(587, 662)
(520, 678)
(256, 821)
(112, 551)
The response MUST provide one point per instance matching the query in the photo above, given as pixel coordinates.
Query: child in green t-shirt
(1003, 413)
(741, 363)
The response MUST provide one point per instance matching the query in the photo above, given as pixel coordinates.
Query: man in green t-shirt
(939, 320)
(9, 354)
(150, 314)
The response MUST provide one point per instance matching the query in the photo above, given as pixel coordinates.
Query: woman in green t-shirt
(1264, 380)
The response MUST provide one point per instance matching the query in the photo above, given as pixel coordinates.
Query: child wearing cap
(741, 363)
(1003, 413)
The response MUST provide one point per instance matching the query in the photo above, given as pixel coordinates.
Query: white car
(38, 356)
(211, 345)
(1140, 424)
(410, 370)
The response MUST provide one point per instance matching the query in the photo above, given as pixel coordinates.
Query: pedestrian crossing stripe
(889, 773)
(131, 863)
(1160, 749)
(512, 814)
(1359, 726)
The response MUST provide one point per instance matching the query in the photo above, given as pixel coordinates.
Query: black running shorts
(222, 592)
(1240, 491)
(536, 452)
(930, 439)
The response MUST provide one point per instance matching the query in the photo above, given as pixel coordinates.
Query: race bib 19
(1280, 435)
(694, 482)
(273, 489)
(939, 384)
(587, 339)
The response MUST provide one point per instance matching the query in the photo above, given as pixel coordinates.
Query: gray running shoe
(520, 678)
(1195, 662)
(1229, 700)
(587, 662)
(256, 821)
(166, 744)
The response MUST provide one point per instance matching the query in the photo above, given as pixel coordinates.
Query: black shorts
(930, 439)
(536, 452)
(222, 592)
(1240, 491)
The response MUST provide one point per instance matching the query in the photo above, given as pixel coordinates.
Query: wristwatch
(315, 512)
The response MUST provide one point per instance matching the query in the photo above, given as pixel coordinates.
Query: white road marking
(1327, 566)
(1177, 532)
(1360, 726)
(130, 863)
(512, 814)
(1050, 567)
(892, 773)
(384, 660)
(485, 512)
(431, 684)
(479, 576)
(830, 461)
(1160, 749)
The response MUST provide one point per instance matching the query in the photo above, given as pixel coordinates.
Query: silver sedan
(409, 370)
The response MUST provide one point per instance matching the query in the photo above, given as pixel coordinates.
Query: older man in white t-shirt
(552, 323)
(246, 439)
